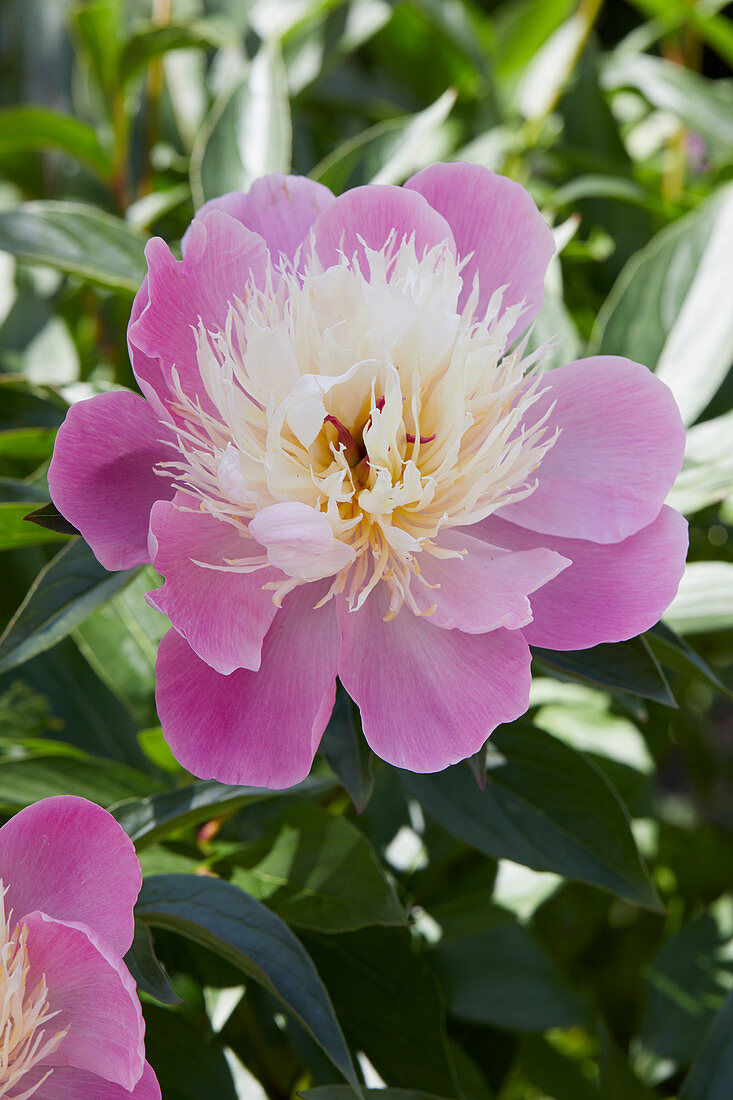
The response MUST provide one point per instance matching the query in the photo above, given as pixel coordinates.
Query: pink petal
(102, 475)
(94, 995)
(611, 592)
(369, 214)
(619, 451)
(429, 697)
(68, 1083)
(223, 616)
(222, 258)
(300, 541)
(71, 859)
(485, 589)
(496, 220)
(259, 728)
(281, 209)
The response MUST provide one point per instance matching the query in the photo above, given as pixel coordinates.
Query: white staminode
(357, 413)
(24, 1014)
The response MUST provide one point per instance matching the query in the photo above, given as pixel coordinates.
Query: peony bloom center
(25, 1041)
(355, 412)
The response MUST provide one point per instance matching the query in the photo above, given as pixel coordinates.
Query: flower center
(366, 394)
(25, 1042)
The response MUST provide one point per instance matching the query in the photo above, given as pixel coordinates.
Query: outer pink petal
(222, 259)
(223, 616)
(620, 448)
(71, 859)
(94, 995)
(429, 697)
(369, 214)
(102, 475)
(260, 728)
(610, 592)
(496, 220)
(68, 1083)
(488, 587)
(280, 208)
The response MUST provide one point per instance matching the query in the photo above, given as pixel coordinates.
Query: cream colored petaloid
(25, 1039)
(357, 413)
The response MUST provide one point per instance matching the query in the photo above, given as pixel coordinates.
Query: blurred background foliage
(555, 919)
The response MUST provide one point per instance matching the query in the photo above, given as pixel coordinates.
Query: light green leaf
(704, 601)
(77, 239)
(701, 104)
(670, 307)
(389, 151)
(31, 770)
(707, 472)
(224, 919)
(544, 806)
(152, 40)
(248, 132)
(24, 129)
(16, 531)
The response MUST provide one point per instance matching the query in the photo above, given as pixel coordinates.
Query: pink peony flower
(70, 1019)
(341, 470)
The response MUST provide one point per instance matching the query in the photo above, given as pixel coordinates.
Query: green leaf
(707, 472)
(34, 770)
(675, 653)
(504, 979)
(27, 444)
(629, 667)
(318, 871)
(24, 129)
(98, 26)
(248, 132)
(703, 105)
(712, 1070)
(397, 1017)
(544, 806)
(51, 519)
(522, 28)
(686, 982)
(346, 751)
(224, 919)
(151, 40)
(147, 820)
(146, 968)
(77, 239)
(704, 600)
(120, 641)
(16, 531)
(553, 1073)
(66, 590)
(343, 1092)
(190, 1060)
(389, 151)
(618, 1081)
(669, 307)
